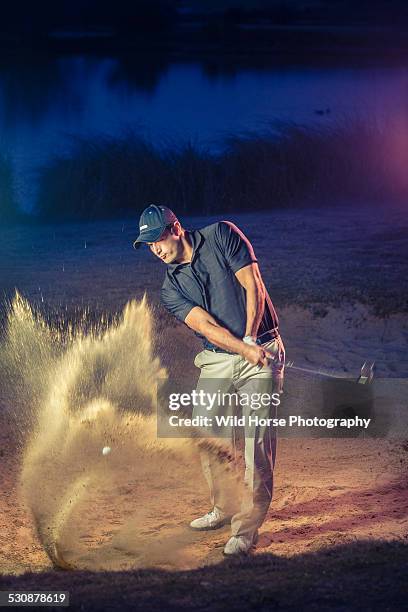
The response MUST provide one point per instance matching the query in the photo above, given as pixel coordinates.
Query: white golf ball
(106, 450)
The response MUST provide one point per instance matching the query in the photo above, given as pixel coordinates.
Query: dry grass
(291, 165)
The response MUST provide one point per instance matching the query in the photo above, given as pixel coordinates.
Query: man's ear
(176, 229)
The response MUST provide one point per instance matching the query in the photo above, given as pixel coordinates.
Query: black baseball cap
(153, 221)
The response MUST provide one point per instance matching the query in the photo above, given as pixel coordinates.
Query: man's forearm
(203, 323)
(255, 306)
(222, 337)
(254, 311)
(250, 278)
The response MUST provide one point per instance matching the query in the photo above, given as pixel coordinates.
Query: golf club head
(366, 373)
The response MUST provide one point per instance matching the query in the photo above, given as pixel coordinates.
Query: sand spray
(78, 389)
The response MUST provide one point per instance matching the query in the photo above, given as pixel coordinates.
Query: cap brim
(150, 236)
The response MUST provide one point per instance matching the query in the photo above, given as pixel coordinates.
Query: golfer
(213, 284)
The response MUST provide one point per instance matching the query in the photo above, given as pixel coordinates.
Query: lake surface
(46, 104)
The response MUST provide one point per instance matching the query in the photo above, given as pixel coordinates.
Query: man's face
(168, 247)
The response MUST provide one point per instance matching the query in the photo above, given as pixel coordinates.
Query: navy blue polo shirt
(209, 281)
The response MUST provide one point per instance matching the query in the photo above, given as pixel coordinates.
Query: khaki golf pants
(228, 374)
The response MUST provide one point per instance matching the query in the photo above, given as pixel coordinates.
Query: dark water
(46, 104)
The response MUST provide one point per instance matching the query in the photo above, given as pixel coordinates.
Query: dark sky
(47, 14)
(343, 8)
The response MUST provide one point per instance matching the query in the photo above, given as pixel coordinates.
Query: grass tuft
(288, 166)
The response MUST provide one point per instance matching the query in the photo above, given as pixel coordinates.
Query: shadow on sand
(362, 575)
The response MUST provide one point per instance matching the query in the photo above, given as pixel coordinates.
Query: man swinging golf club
(213, 284)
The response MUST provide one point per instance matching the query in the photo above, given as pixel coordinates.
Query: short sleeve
(175, 303)
(235, 246)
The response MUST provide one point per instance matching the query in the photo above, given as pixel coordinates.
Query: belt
(267, 336)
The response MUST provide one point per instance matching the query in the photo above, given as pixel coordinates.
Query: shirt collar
(197, 239)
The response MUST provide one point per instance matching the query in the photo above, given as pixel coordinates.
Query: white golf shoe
(212, 520)
(240, 545)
